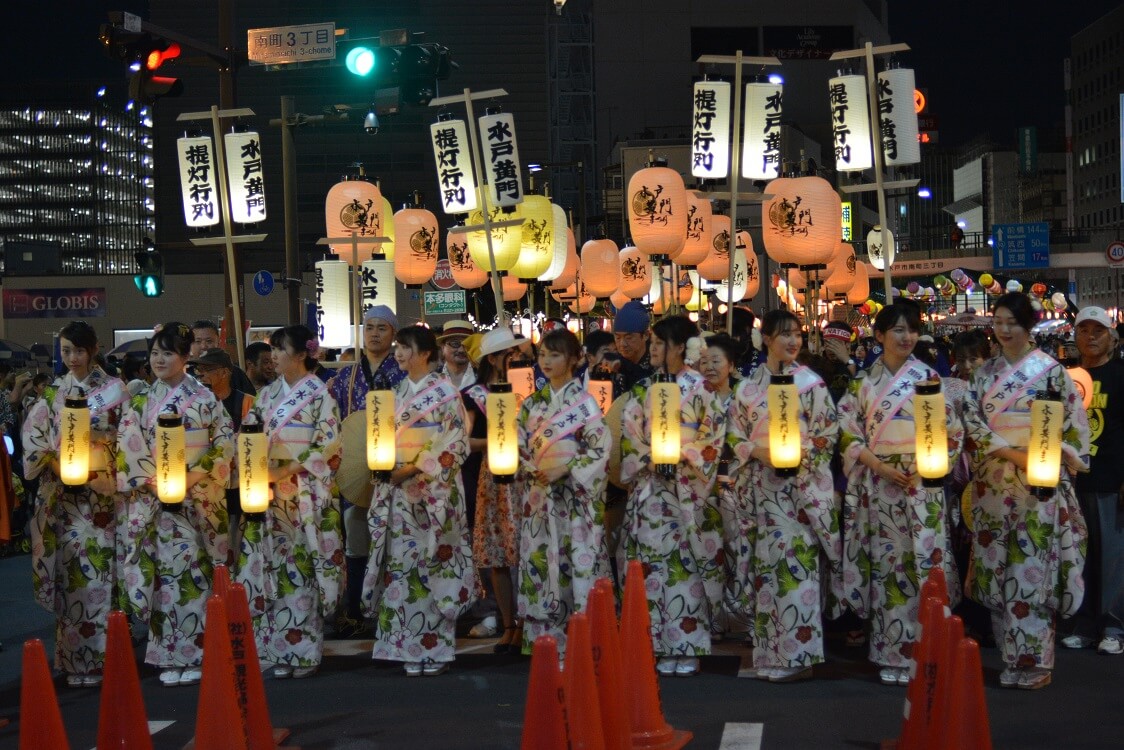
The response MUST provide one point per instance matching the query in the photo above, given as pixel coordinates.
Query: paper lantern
(761, 138)
(354, 206)
(583, 304)
(710, 130)
(850, 123)
(802, 223)
(657, 211)
(456, 180)
(415, 246)
(253, 467)
(733, 290)
(752, 273)
(1044, 448)
(506, 241)
(503, 442)
(570, 270)
(619, 299)
(931, 433)
(900, 144)
(716, 265)
(381, 450)
(602, 392)
(844, 274)
(376, 285)
(599, 269)
(661, 303)
(563, 237)
(521, 375)
(199, 181)
(664, 422)
(74, 440)
(1059, 301)
(536, 248)
(385, 226)
(513, 288)
(698, 297)
(170, 459)
(245, 178)
(699, 215)
(333, 304)
(684, 288)
(501, 159)
(1083, 382)
(784, 425)
(465, 272)
(635, 273)
(881, 257)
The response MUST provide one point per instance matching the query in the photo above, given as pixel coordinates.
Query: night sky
(989, 66)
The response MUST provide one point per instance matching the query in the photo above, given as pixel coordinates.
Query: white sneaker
(1110, 644)
(903, 675)
(666, 666)
(486, 628)
(790, 674)
(1077, 641)
(687, 667)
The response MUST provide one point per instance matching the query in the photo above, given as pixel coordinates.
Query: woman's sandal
(505, 648)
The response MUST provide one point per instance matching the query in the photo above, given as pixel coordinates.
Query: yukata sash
(893, 398)
(805, 381)
(562, 425)
(1008, 389)
(300, 395)
(170, 400)
(437, 395)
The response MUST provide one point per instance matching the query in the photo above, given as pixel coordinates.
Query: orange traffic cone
(935, 585)
(968, 725)
(218, 722)
(650, 731)
(607, 665)
(922, 685)
(220, 584)
(260, 734)
(940, 719)
(122, 721)
(544, 720)
(583, 709)
(40, 719)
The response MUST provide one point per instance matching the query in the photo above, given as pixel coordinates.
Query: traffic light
(150, 279)
(366, 59)
(145, 86)
(413, 68)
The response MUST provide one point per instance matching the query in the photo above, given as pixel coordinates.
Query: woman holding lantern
(69, 442)
(786, 512)
(1028, 551)
(894, 527)
(291, 559)
(175, 511)
(671, 471)
(420, 576)
(564, 451)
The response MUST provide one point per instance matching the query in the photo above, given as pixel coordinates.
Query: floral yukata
(1027, 554)
(784, 524)
(665, 518)
(291, 562)
(562, 544)
(167, 555)
(73, 529)
(495, 531)
(892, 537)
(420, 575)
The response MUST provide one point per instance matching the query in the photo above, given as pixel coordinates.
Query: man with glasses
(457, 367)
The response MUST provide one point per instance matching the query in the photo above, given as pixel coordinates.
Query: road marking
(153, 728)
(742, 736)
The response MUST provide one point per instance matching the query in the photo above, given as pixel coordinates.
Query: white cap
(1095, 314)
(496, 340)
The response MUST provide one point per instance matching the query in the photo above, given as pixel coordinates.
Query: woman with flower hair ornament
(666, 515)
(291, 561)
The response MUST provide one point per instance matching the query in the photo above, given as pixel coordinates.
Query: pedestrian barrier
(40, 719)
(122, 720)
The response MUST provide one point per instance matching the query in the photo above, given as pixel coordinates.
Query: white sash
(181, 401)
(563, 424)
(1018, 378)
(300, 395)
(410, 438)
(893, 397)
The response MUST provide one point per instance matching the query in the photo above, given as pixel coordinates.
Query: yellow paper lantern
(503, 441)
(699, 231)
(506, 241)
(536, 248)
(716, 265)
(465, 272)
(698, 297)
(784, 425)
(664, 422)
(381, 450)
(602, 392)
(931, 433)
(635, 273)
(415, 246)
(599, 267)
(1044, 448)
(802, 223)
(74, 441)
(253, 468)
(657, 211)
(170, 459)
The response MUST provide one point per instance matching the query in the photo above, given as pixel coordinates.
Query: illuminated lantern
(844, 274)
(661, 303)
(503, 442)
(752, 274)
(734, 289)
(333, 304)
(456, 179)
(74, 441)
(602, 392)
(802, 223)
(710, 130)
(354, 206)
(1038, 289)
(513, 288)
(1083, 382)
(536, 249)
(199, 181)
(685, 289)
(465, 272)
(1044, 448)
(244, 176)
(879, 256)
(170, 459)
(698, 298)
(699, 215)
(600, 272)
(583, 304)
(931, 433)
(253, 467)
(636, 273)
(381, 450)
(657, 211)
(784, 425)
(1059, 301)
(376, 285)
(415, 246)
(761, 151)
(716, 265)
(506, 241)
(386, 227)
(569, 273)
(521, 376)
(664, 421)
(619, 299)
(501, 158)
(900, 144)
(563, 238)
(850, 123)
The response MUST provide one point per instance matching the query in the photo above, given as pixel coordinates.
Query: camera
(371, 122)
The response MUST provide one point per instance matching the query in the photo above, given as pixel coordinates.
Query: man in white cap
(376, 370)
(457, 368)
(1098, 490)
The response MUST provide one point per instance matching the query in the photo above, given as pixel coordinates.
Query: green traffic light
(149, 286)
(360, 61)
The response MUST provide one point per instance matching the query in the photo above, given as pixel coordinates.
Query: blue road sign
(1021, 245)
(263, 283)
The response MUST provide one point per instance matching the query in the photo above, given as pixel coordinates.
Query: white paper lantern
(376, 285)
(850, 123)
(245, 177)
(900, 145)
(456, 179)
(710, 130)
(199, 181)
(333, 308)
(500, 154)
(879, 256)
(636, 273)
(563, 236)
(761, 139)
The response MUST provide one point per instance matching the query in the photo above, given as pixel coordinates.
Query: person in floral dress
(73, 529)
(420, 576)
(1028, 552)
(167, 553)
(564, 451)
(894, 530)
(291, 561)
(663, 515)
(787, 523)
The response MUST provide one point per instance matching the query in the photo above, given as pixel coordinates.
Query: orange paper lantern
(636, 273)
(802, 223)
(716, 265)
(354, 206)
(513, 288)
(844, 273)
(619, 299)
(699, 216)
(466, 273)
(860, 290)
(657, 211)
(599, 269)
(415, 253)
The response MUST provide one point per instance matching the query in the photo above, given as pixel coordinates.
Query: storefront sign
(54, 303)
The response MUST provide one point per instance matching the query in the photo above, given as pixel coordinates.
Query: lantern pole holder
(355, 241)
(738, 60)
(880, 184)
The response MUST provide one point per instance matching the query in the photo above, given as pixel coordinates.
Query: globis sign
(54, 303)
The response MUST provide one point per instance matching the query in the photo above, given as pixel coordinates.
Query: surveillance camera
(371, 122)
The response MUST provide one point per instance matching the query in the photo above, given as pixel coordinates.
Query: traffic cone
(935, 585)
(917, 711)
(607, 665)
(218, 722)
(122, 721)
(940, 719)
(650, 731)
(544, 719)
(40, 719)
(968, 724)
(583, 709)
(260, 734)
(220, 581)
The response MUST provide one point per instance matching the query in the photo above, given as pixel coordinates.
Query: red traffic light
(157, 57)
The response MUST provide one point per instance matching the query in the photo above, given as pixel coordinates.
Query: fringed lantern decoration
(784, 425)
(536, 249)
(503, 442)
(600, 272)
(716, 265)
(465, 272)
(931, 432)
(664, 421)
(657, 211)
(381, 429)
(1044, 448)
(170, 464)
(635, 273)
(803, 222)
(354, 206)
(74, 441)
(699, 230)
(253, 467)
(415, 246)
